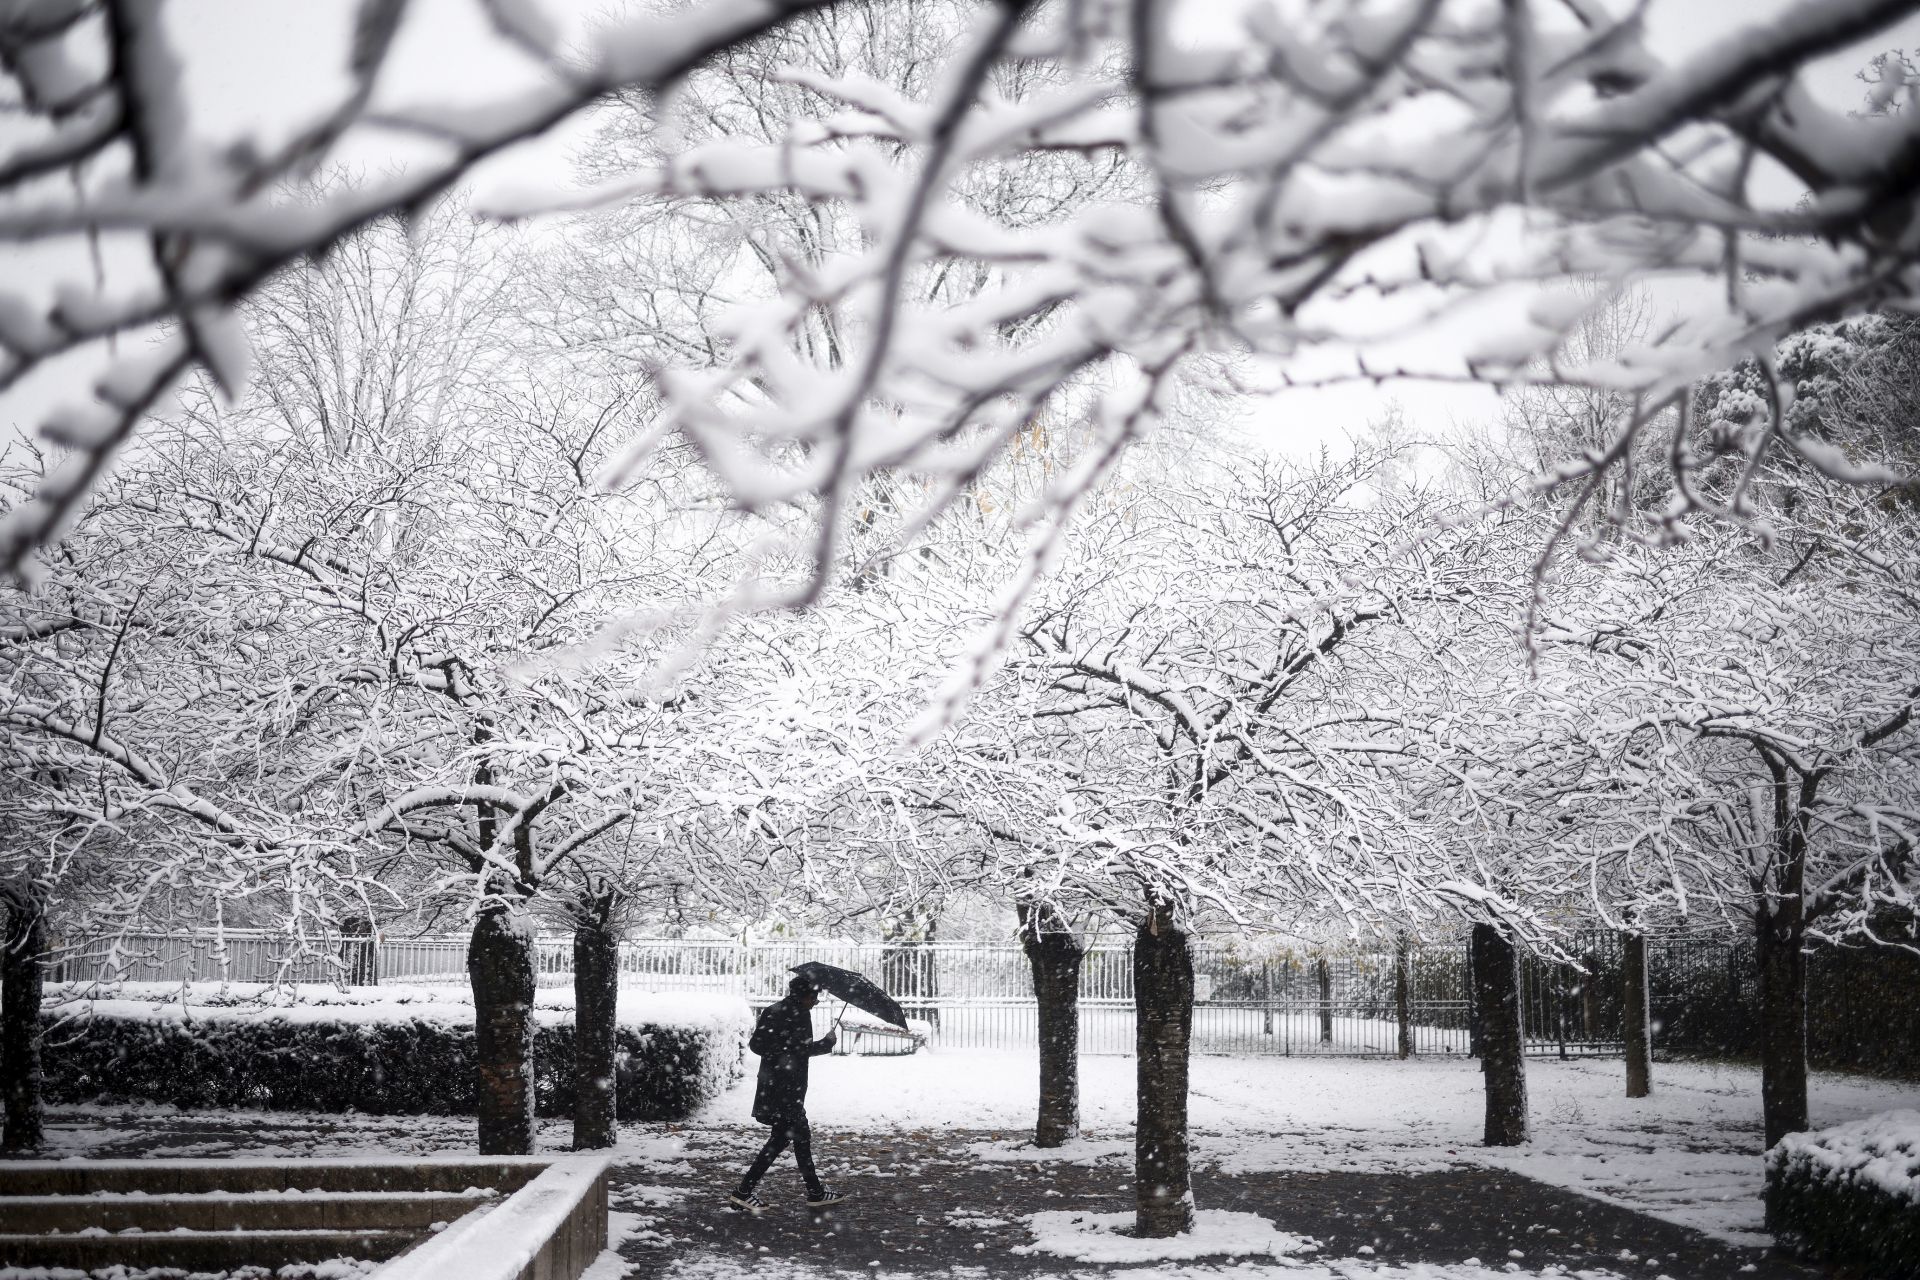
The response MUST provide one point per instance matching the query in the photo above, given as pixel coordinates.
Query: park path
(1689, 1155)
(952, 1203)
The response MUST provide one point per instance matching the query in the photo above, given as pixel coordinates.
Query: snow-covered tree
(1201, 722)
(1720, 730)
(1315, 156)
(316, 633)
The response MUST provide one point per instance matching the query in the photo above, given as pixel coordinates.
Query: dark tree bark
(1163, 1012)
(1054, 954)
(1782, 961)
(1326, 1000)
(596, 996)
(22, 979)
(1403, 997)
(1637, 1031)
(1496, 991)
(500, 968)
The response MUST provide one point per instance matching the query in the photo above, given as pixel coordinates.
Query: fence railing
(1704, 993)
(1365, 1003)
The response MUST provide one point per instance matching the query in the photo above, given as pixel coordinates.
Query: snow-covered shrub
(1851, 1193)
(379, 1050)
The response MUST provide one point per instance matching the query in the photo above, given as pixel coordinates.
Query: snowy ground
(1690, 1154)
(924, 1138)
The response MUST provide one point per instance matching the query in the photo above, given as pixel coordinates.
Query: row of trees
(295, 664)
(459, 611)
(1247, 716)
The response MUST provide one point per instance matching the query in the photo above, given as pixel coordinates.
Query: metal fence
(1573, 1010)
(1368, 1003)
(970, 995)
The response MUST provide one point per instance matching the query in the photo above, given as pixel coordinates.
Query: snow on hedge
(1851, 1193)
(1880, 1151)
(383, 1050)
(686, 1010)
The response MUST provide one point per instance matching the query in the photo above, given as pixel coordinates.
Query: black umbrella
(856, 989)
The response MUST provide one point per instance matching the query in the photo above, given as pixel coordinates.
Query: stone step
(200, 1250)
(221, 1211)
(171, 1177)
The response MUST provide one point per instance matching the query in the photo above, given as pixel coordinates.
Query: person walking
(783, 1037)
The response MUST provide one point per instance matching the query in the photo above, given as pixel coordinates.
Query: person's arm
(765, 1039)
(823, 1045)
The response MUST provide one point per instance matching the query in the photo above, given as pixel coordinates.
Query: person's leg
(802, 1134)
(777, 1139)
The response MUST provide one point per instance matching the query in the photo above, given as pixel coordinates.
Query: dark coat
(783, 1037)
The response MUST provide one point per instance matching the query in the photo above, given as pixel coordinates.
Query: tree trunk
(22, 980)
(1054, 954)
(1637, 1032)
(1403, 997)
(1163, 1013)
(1326, 1000)
(1783, 1018)
(500, 967)
(1496, 992)
(596, 994)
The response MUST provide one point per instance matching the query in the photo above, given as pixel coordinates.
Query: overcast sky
(258, 69)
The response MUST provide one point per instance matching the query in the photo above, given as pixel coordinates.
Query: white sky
(258, 69)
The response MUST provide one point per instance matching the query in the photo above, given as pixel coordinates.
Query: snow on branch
(1307, 159)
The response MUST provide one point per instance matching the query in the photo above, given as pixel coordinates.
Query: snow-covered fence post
(1055, 953)
(1636, 1033)
(22, 981)
(1496, 998)
(596, 997)
(500, 967)
(1163, 1033)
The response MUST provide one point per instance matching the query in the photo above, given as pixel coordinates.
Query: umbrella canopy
(856, 989)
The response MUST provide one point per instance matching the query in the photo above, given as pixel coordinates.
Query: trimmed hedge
(1851, 1194)
(389, 1066)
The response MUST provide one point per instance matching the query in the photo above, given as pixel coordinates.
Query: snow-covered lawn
(1690, 1154)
